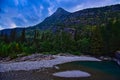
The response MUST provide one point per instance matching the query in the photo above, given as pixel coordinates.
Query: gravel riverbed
(31, 65)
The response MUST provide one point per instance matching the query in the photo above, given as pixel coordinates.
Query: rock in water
(73, 73)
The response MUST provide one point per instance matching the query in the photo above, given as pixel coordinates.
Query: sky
(24, 13)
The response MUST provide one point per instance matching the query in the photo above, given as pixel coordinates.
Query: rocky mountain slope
(91, 16)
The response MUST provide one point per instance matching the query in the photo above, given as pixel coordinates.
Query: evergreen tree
(5, 38)
(113, 35)
(36, 41)
(1, 36)
(22, 37)
(96, 41)
(13, 35)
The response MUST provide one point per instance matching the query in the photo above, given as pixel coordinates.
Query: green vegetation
(13, 49)
(92, 40)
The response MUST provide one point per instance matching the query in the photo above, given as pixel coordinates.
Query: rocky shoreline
(38, 61)
(33, 57)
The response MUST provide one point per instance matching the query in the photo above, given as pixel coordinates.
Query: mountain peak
(61, 11)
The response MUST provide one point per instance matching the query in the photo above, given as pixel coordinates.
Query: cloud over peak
(21, 13)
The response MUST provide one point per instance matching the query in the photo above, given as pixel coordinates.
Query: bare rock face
(73, 73)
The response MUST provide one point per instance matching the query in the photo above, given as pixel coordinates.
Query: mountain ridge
(57, 17)
(81, 17)
(90, 16)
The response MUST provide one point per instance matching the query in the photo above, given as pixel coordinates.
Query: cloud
(41, 7)
(13, 25)
(16, 2)
(50, 10)
(93, 3)
(19, 21)
(52, 6)
(1, 27)
(21, 13)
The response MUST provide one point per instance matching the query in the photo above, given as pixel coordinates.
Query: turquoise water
(104, 70)
(106, 67)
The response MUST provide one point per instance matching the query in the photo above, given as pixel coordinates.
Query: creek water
(104, 70)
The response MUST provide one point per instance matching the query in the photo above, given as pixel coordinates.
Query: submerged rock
(73, 73)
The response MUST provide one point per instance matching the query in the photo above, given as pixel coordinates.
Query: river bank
(36, 62)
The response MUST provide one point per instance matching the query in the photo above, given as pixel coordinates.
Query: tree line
(95, 40)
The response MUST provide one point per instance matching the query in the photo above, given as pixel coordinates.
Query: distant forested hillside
(94, 31)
